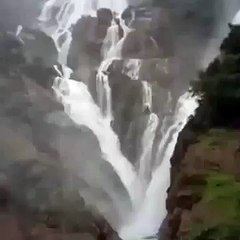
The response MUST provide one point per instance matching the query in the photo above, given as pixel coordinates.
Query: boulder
(139, 45)
(34, 43)
(104, 16)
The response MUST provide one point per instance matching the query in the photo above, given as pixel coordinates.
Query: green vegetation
(219, 91)
(219, 85)
(220, 232)
(218, 138)
(223, 194)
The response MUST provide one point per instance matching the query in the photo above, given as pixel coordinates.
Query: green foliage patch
(218, 137)
(223, 193)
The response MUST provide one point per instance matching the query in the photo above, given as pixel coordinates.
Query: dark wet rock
(85, 50)
(88, 35)
(30, 151)
(127, 14)
(16, 107)
(9, 227)
(16, 146)
(11, 53)
(43, 100)
(104, 16)
(229, 45)
(4, 197)
(139, 45)
(34, 43)
(41, 232)
(43, 76)
(124, 96)
(165, 40)
(76, 54)
(159, 70)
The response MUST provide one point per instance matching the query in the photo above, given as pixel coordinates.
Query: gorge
(147, 188)
(115, 97)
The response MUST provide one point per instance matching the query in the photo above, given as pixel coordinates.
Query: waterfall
(147, 95)
(69, 13)
(145, 161)
(157, 191)
(110, 53)
(132, 68)
(80, 107)
(147, 184)
(148, 218)
(104, 94)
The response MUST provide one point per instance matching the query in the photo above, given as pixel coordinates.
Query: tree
(219, 85)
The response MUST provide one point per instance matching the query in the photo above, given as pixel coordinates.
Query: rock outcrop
(214, 151)
(40, 205)
(209, 145)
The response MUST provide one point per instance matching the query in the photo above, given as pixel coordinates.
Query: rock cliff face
(196, 156)
(34, 201)
(39, 140)
(209, 144)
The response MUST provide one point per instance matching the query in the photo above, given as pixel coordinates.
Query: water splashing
(145, 162)
(80, 106)
(148, 218)
(147, 95)
(110, 53)
(147, 184)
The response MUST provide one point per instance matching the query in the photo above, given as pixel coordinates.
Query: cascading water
(111, 50)
(145, 163)
(152, 212)
(147, 184)
(110, 53)
(147, 95)
(80, 106)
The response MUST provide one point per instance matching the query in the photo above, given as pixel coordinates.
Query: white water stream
(146, 185)
(152, 212)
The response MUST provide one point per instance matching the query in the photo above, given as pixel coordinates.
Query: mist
(89, 125)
